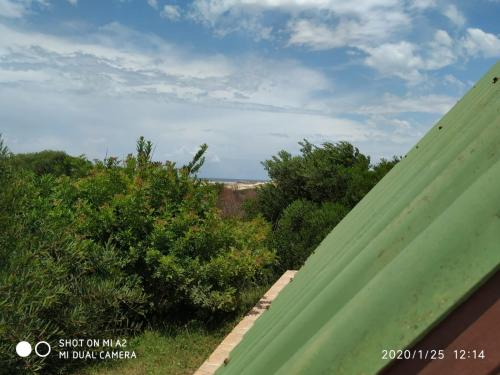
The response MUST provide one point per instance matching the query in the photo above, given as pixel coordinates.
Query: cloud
(210, 10)
(453, 81)
(441, 51)
(423, 4)
(362, 17)
(363, 31)
(381, 30)
(410, 61)
(479, 43)
(89, 124)
(20, 76)
(454, 15)
(11, 9)
(399, 59)
(171, 12)
(391, 104)
(19, 8)
(377, 28)
(73, 2)
(65, 92)
(153, 3)
(118, 61)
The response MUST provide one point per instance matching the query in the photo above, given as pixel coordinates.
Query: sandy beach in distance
(238, 185)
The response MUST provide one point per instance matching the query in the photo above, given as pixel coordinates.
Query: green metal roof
(413, 249)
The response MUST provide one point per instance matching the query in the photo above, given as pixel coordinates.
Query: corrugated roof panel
(415, 247)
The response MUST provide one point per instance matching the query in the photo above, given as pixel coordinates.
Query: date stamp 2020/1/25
(433, 354)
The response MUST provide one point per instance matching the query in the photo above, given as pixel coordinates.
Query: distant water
(233, 180)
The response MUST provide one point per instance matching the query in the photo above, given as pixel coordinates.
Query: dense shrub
(302, 226)
(310, 193)
(57, 163)
(334, 172)
(130, 242)
(52, 283)
(167, 229)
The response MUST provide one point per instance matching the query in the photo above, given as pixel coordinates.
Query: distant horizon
(202, 174)
(219, 179)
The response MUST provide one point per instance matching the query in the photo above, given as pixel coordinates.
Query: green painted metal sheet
(411, 251)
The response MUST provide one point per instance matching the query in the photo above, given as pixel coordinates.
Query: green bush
(52, 283)
(130, 242)
(168, 231)
(310, 193)
(57, 163)
(334, 172)
(301, 228)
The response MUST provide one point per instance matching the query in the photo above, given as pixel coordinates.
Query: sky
(247, 77)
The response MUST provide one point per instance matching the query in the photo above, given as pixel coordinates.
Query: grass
(179, 351)
(172, 350)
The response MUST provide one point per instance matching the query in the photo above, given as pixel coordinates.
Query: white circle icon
(45, 352)
(23, 349)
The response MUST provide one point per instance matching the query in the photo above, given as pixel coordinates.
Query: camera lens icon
(42, 349)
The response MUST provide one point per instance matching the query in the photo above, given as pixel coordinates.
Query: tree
(304, 187)
(302, 226)
(333, 172)
(57, 163)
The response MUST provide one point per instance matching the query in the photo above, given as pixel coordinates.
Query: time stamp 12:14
(469, 354)
(433, 354)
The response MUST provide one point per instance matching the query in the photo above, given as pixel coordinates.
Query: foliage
(294, 201)
(334, 172)
(302, 226)
(4, 150)
(53, 284)
(167, 229)
(57, 163)
(127, 243)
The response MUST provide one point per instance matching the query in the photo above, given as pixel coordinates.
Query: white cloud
(317, 36)
(440, 52)
(153, 4)
(76, 84)
(109, 63)
(73, 2)
(18, 76)
(19, 8)
(11, 9)
(479, 43)
(455, 16)
(399, 59)
(210, 10)
(381, 29)
(409, 61)
(423, 4)
(391, 105)
(364, 18)
(89, 124)
(365, 30)
(451, 80)
(171, 12)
